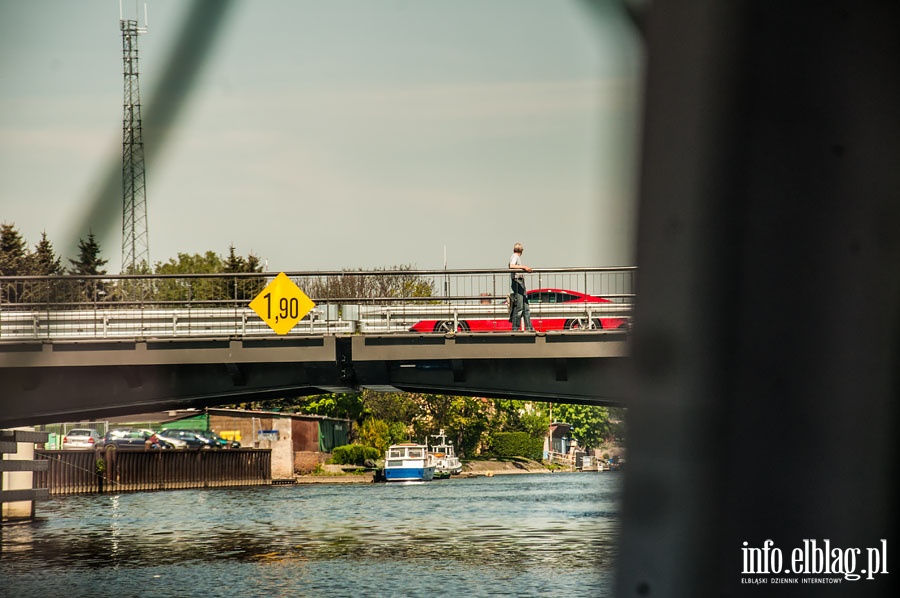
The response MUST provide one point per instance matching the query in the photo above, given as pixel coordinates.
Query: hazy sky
(339, 134)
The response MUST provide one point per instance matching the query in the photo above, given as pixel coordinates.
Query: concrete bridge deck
(50, 380)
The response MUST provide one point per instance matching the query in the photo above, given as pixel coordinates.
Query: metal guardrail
(150, 323)
(207, 305)
(180, 323)
(114, 471)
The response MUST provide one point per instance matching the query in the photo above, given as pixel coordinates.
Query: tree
(89, 263)
(13, 262)
(44, 261)
(469, 420)
(344, 405)
(242, 289)
(402, 285)
(522, 416)
(234, 262)
(13, 251)
(590, 423)
(207, 263)
(392, 406)
(397, 282)
(190, 289)
(380, 434)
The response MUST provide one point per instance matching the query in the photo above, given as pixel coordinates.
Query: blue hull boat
(408, 462)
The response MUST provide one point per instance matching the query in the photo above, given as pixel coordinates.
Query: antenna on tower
(135, 235)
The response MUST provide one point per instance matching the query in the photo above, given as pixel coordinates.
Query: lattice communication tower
(135, 235)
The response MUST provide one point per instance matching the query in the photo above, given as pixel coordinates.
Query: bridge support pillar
(17, 492)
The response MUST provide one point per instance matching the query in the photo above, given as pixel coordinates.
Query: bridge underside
(52, 382)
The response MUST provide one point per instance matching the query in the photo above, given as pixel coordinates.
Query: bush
(517, 444)
(353, 454)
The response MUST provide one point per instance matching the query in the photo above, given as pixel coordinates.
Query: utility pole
(135, 235)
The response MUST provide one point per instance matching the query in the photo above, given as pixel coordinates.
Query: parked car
(536, 298)
(218, 440)
(189, 437)
(131, 438)
(81, 439)
(169, 442)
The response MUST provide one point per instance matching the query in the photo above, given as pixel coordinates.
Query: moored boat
(445, 459)
(408, 462)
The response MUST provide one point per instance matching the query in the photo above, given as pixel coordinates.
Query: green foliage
(340, 405)
(207, 263)
(524, 416)
(516, 444)
(375, 433)
(89, 263)
(590, 423)
(242, 289)
(469, 418)
(44, 261)
(277, 405)
(354, 454)
(13, 261)
(391, 406)
(13, 254)
(209, 289)
(190, 289)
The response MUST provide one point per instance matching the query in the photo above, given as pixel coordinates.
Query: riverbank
(335, 474)
(491, 467)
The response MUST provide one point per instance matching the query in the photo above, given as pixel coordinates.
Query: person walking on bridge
(518, 302)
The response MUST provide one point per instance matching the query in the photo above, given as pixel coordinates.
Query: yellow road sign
(282, 304)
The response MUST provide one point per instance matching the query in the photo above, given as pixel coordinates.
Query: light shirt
(516, 260)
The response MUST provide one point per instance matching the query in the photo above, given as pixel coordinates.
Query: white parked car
(81, 438)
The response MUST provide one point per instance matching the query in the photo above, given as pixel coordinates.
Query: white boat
(408, 462)
(446, 461)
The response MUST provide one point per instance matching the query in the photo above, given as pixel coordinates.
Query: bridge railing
(216, 305)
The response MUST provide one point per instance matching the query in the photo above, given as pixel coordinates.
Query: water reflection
(556, 531)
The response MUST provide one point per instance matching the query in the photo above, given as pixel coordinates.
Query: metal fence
(80, 472)
(213, 305)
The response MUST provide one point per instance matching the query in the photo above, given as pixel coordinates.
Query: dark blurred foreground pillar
(767, 336)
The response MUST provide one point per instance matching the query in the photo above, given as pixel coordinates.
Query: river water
(509, 535)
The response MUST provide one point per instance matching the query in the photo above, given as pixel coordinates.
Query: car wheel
(446, 326)
(583, 324)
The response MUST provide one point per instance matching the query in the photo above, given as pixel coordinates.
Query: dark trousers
(518, 307)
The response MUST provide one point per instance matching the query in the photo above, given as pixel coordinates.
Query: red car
(573, 315)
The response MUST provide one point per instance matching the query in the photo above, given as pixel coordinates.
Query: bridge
(77, 347)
